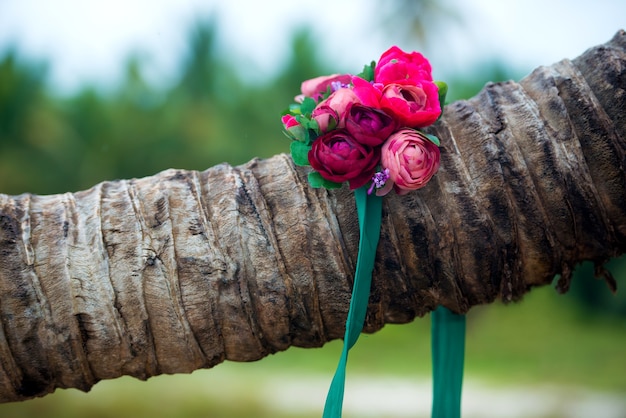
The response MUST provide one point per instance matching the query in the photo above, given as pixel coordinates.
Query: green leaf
(327, 93)
(443, 91)
(331, 184)
(300, 153)
(316, 181)
(308, 123)
(307, 106)
(368, 72)
(294, 109)
(297, 133)
(288, 134)
(311, 129)
(433, 139)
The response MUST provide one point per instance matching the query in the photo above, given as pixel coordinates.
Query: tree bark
(184, 270)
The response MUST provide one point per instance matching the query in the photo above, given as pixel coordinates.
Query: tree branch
(182, 270)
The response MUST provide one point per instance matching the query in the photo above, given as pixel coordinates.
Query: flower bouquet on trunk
(365, 128)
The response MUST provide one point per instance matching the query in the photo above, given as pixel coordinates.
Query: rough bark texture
(183, 270)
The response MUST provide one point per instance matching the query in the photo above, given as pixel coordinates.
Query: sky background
(88, 41)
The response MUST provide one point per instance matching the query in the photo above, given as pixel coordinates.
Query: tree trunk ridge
(184, 269)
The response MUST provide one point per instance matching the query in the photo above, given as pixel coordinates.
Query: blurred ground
(223, 392)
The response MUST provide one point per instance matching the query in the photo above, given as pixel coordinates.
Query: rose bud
(367, 125)
(412, 160)
(413, 106)
(338, 157)
(293, 127)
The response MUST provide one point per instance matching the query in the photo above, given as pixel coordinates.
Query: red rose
(412, 105)
(397, 66)
(411, 158)
(338, 157)
(367, 125)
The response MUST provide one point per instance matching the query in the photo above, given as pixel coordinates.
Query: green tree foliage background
(50, 143)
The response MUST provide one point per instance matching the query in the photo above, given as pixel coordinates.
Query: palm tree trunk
(183, 270)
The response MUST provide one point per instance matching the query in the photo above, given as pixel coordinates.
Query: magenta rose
(367, 93)
(414, 106)
(316, 87)
(412, 160)
(367, 125)
(397, 66)
(338, 157)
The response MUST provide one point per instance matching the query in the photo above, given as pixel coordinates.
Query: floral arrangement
(365, 128)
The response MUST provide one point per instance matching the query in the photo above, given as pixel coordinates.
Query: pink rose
(368, 125)
(326, 117)
(331, 112)
(412, 105)
(333, 108)
(397, 66)
(338, 157)
(316, 87)
(412, 160)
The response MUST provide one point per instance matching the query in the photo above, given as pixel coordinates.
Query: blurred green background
(559, 350)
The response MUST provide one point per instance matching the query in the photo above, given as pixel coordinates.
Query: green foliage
(307, 106)
(299, 153)
(51, 143)
(594, 296)
(443, 92)
(433, 139)
(316, 180)
(368, 71)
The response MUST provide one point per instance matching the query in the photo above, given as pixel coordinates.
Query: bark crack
(138, 215)
(174, 281)
(83, 348)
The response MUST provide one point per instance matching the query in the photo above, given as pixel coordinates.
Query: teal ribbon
(448, 351)
(448, 329)
(369, 210)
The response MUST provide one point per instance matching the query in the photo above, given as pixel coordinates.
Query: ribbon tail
(448, 351)
(369, 211)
